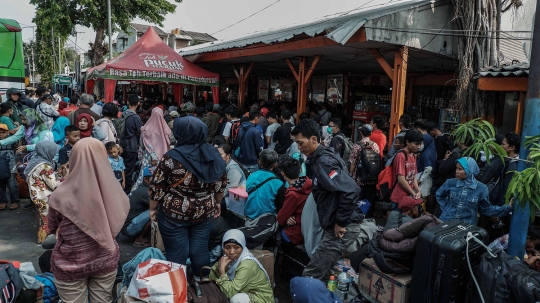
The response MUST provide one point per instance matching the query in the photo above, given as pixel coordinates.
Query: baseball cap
(4, 127)
(407, 203)
(175, 114)
(147, 172)
(264, 111)
(217, 107)
(366, 129)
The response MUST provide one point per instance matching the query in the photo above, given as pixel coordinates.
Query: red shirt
(378, 137)
(71, 108)
(404, 167)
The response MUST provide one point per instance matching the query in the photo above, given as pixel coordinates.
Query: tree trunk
(97, 49)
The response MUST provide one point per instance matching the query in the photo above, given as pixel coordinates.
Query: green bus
(12, 68)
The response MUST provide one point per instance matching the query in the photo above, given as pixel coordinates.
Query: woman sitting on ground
(238, 273)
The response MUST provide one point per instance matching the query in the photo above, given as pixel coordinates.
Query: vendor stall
(150, 61)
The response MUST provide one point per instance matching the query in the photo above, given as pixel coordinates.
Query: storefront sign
(159, 75)
(160, 61)
(335, 89)
(62, 80)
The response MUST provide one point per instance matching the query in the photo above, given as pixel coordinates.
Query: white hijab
(239, 237)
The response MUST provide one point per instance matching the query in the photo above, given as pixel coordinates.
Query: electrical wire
(449, 34)
(245, 18)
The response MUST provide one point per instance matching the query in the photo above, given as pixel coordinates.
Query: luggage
(440, 272)
(525, 286)
(492, 275)
(155, 237)
(205, 291)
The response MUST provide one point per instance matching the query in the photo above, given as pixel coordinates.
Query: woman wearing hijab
(85, 258)
(86, 126)
(461, 198)
(188, 186)
(154, 142)
(42, 181)
(238, 273)
(35, 130)
(58, 130)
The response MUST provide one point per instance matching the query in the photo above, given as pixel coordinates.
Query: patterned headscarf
(35, 124)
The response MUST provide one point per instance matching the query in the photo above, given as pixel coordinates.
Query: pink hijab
(156, 133)
(91, 197)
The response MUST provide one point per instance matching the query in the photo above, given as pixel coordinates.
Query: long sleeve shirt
(248, 279)
(462, 202)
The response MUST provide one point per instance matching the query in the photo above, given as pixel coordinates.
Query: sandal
(14, 206)
(3, 206)
(141, 244)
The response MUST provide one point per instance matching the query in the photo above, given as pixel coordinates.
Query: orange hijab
(91, 197)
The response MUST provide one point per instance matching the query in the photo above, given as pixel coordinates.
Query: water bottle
(332, 286)
(344, 282)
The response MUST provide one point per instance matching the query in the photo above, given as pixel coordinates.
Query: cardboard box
(383, 287)
(237, 200)
(266, 258)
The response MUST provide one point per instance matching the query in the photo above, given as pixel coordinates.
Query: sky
(212, 16)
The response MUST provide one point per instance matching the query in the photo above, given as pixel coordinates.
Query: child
(404, 167)
(532, 257)
(462, 197)
(117, 163)
(73, 135)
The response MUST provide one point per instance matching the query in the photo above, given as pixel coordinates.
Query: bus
(12, 68)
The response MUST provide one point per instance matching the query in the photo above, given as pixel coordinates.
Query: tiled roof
(142, 28)
(513, 70)
(201, 37)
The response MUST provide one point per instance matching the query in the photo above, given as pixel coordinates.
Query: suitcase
(440, 271)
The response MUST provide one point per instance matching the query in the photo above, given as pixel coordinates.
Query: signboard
(335, 89)
(62, 80)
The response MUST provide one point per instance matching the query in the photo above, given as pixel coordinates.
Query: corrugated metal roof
(512, 49)
(204, 37)
(338, 28)
(513, 70)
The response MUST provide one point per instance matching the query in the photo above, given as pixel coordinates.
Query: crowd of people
(96, 169)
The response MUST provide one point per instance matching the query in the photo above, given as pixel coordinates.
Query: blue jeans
(134, 229)
(13, 188)
(186, 239)
(252, 168)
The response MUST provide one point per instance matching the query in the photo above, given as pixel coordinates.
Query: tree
(65, 14)
(480, 23)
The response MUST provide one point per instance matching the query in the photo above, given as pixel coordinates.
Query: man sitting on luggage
(532, 257)
(137, 223)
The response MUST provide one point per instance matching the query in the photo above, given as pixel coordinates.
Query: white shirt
(270, 130)
(227, 128)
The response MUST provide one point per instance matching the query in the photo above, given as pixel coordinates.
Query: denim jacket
(460, 201)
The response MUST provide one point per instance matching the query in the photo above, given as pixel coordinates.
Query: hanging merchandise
(263, 88)
(335, 89)
(318, 86)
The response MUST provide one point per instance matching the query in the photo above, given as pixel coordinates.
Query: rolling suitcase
(440, 271)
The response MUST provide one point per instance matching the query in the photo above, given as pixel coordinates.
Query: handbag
(205, 291)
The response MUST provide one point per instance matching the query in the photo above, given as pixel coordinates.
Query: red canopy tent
(151, 61)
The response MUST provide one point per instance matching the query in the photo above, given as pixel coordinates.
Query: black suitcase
(440, 271)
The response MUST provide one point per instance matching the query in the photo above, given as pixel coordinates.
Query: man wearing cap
(47, 112)
(174, 114)
(211, 120)
(71, 107)
(13, 96)
(137, 225)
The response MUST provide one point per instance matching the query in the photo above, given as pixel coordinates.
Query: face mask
(421, 147)
(329, 130)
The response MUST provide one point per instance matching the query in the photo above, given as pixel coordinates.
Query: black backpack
(372, 250)
(369, 164)
(120, 127)
(5, 172)
(233, 137)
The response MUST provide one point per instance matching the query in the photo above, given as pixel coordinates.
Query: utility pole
(531, 123)
(110, 27)
(54, 53)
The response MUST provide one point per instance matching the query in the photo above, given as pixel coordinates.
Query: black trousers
(130, 159)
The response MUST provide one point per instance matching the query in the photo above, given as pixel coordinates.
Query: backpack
(5, 172)
(50, 294)
(259, 230)
(120, 127)
(24, 163)
(372, 250)
(11, 283)
(386, 180)
(235, 128)
(369, 164)
(347, 147)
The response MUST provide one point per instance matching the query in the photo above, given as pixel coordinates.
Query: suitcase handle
(385, 268)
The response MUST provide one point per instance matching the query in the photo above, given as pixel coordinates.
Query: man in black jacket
(336, 194)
